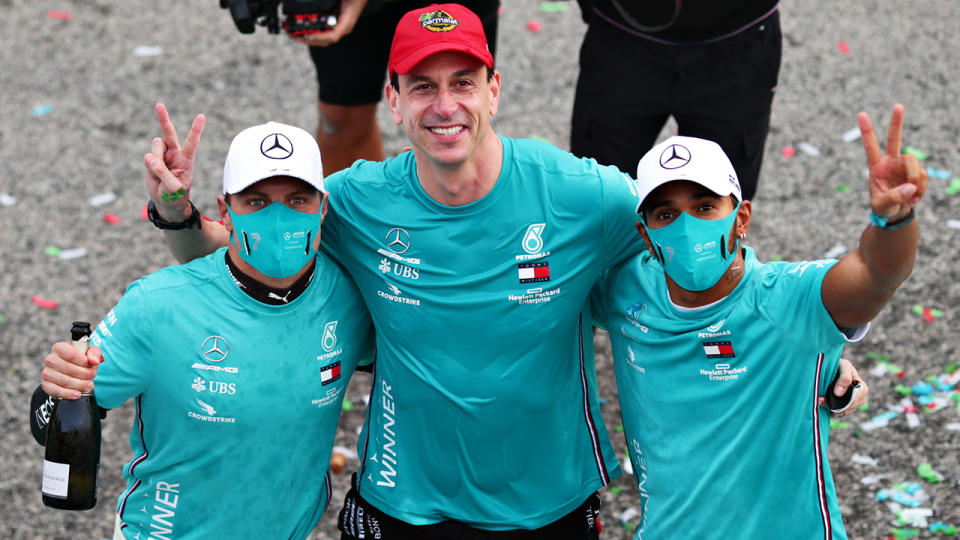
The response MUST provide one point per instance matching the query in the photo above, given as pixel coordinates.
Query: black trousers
(722, 91)
(359, 520)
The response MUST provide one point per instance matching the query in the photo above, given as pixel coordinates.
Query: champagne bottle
(72, 458)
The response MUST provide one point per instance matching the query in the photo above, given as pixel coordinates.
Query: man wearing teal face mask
(238, 361)
(721, 360)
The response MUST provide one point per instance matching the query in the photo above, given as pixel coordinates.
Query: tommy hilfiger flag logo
(330, 373)
(718, 349)
(534, 272)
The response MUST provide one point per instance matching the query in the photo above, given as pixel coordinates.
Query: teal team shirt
(237, 401)
(484, 406)
(719, 404)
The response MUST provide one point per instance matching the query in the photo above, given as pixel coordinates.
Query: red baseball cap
(437, 28)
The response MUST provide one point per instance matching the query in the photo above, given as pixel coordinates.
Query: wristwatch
(188, 223)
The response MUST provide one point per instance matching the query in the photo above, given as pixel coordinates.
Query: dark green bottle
(72, 458)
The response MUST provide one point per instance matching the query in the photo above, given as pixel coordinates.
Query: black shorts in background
(353, 71)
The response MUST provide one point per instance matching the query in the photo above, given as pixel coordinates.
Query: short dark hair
(395, 79)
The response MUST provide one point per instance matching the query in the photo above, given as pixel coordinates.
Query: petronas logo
(438, 21)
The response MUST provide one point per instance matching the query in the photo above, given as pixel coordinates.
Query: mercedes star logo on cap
(674, 157)
(276, 146)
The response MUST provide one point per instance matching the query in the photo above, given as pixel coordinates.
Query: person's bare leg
(347, 133)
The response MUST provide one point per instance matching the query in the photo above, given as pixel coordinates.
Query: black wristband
(159, 223)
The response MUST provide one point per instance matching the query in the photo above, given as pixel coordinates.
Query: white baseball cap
(271, 149)
(687, 158)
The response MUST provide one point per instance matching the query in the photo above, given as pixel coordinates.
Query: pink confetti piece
(59, 15)
(111, 219)
(788, 151)
(844, 48)
(143, 213)
(533, 26)
(39, 301)
(928, 315)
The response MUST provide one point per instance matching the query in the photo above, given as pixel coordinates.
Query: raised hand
(170, 167)
(897, 181)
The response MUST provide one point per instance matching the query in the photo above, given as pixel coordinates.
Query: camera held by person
(299, 16)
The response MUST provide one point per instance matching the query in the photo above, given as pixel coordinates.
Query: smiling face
(445, 104)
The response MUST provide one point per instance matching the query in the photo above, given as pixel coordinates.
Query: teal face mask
(276, 240)
(693, 250)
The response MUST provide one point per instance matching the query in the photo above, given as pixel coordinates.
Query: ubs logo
(215, 349)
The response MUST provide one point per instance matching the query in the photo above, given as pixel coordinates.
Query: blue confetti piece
(41, 110)
(939, 174)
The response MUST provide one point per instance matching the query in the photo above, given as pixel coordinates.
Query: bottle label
(56, 476)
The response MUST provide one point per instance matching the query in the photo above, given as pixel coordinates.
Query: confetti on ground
(835, 251)
(788, 151)
(914, 517)
(941, 527)
(843, 188)
(102, 199)
(953, 223)
(952, 426)
(851, 135)
(776, 258)
(52, 251)
(954, 187)
(863, 460)
(843, 46)
(553, 7)
(541, 139)
(147, 50)
(939, 174)
(628, 514)
(533, 25)
(1, 319)
(627, 466)
(39, 301)
(7, 200)
(74, 253)
(615, 489)
(808, 149)
(837, 424)
(111, 219)
(59, 15)
(911, 150)
(143, 213)
(929, 314)
(347, 404)
(903, 534)
(41, 110)
(927, 472)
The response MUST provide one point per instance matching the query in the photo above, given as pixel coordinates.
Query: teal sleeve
(619, 205)
(330, 230)
(792, 298)
(127, 338)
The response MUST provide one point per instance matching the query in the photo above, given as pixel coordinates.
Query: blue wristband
(881, 222)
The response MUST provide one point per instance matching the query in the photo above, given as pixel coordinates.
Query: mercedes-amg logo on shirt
(674, 157)
(398, 240)
(215, 348)
(276, 146)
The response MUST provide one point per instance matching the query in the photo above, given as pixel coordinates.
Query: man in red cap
(475, 254)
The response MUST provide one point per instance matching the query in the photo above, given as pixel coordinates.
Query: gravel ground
(98, 97)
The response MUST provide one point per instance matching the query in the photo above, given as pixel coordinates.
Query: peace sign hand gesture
(170, 167)
(897, 181)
